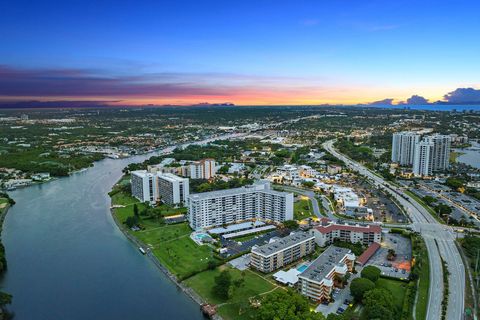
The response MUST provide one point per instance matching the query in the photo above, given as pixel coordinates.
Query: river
(470, 156)
(68, 260)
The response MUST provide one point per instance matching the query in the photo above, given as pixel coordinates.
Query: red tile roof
(333, 227)
(367, 254)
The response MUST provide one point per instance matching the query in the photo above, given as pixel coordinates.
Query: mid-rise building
(403, 147)
(172, 189)
(279, 253)
(328, 231)
(318, 280)
(144, 186)
(258, 201)
(203, 169)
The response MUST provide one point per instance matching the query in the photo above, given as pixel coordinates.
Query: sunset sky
(244, 52)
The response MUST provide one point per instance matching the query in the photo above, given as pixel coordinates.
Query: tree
(371, 273)
(379, 304)
(286, 305)
(135, 210)
(359, 287)
(222, 285)
(223, 169)
(429, 200)
(308, 184)
(290, 224)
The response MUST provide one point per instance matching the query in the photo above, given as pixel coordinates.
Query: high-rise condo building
(165, 187)
(144, 186)
(403, 147)
(172, 189)
(432, 154)
(258, 201)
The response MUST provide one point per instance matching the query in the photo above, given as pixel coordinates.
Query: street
(432, 231)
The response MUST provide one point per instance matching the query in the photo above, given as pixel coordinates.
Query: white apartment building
(258, 201)
(144, 186)
(288, 172)
(152, 187)
(318, 280)
(422, 164)
(432, 154)
(203, 169)
(403, 147)
(329, 231)
(279, 253)
(172, 190)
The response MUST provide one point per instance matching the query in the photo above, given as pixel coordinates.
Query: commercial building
(152, 187)
(203, 169)
(144, 186)
(403, 147)
(318, 280)
(258, 201)
(172, 189)
(279, 253)
(328, 231)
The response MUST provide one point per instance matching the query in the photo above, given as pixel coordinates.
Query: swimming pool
(302, 268)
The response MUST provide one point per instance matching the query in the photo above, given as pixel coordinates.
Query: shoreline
(189, 292)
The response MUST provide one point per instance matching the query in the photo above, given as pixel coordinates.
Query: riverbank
(5, 204)
(192, 268)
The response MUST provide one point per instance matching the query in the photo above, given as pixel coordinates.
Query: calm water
(470, 156)
(68, 260)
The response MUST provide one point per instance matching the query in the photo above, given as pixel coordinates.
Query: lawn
(302, 209)
(397, 288)
(3, 204)
(171, 244)
(254, 285)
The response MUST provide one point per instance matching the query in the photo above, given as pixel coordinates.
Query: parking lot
(342, 298)
(401, 265)
(235, 247)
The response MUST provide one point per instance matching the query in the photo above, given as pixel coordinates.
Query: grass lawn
(254, 285)
(3, 204)
(302, 209)
(422, 289)
(171, 244)
(397, 288)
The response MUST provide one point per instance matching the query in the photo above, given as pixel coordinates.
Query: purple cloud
(387, 102)
(463, 96)
(416, 100)
(72, 82)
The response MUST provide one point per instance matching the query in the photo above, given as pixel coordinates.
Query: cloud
(388, 102)
(416, 100)
(463, 96)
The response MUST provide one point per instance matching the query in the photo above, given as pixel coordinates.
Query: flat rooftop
(324, 264)
(237, 227)
(234, 191)
(282, 244)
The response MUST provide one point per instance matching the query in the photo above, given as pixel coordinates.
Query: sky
(244, 52)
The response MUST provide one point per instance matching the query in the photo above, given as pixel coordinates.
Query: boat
(142, 250)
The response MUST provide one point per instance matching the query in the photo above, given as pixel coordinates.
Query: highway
(439, 240)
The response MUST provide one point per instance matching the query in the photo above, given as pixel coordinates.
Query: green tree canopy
(371, 273)
(222, 285)
(286, 305)
(359, 287)
(379, 304)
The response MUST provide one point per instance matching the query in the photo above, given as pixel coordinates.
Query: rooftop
(329, 226)
(282, 244)
(264, 187)
(324, 264)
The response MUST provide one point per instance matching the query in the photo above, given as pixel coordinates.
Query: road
(433, 232)
(309, 194)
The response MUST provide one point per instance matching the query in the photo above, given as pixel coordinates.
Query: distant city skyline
(246, 53)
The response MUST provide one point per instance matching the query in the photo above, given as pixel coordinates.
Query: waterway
(68, 260)
(470, 156)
